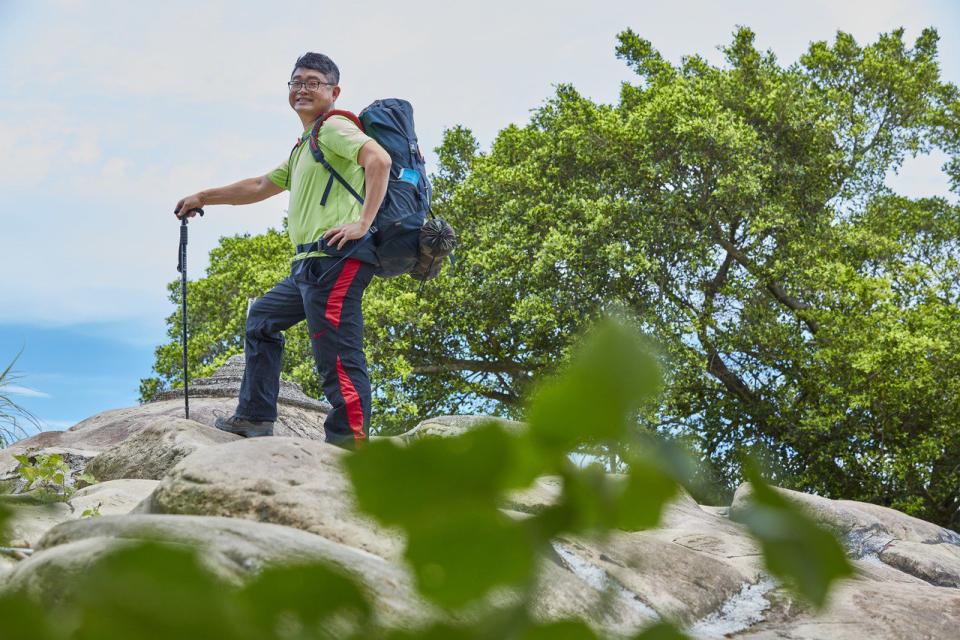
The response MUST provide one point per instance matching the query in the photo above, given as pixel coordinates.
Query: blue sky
(112, 111)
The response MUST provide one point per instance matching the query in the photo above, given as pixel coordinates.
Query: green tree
(805, 311)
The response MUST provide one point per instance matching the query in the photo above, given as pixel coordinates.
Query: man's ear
(336, 92)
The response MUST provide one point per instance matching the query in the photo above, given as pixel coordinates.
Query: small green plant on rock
(48, 473)
(85, 479)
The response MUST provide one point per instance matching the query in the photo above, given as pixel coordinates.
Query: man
(324, 287)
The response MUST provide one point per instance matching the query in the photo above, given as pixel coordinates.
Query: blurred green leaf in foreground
(804, 555)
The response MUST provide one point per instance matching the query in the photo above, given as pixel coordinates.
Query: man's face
(307, 103)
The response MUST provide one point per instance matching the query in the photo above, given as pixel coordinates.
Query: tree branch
(798, 306)
(719, 370)
(449, 365)
(505, 398)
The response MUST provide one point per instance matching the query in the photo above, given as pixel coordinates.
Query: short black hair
(318, 62)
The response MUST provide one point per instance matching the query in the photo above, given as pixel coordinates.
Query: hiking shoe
(244, 427)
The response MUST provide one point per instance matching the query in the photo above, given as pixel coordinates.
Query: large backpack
(404, 241)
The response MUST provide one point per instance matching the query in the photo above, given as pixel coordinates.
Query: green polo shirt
(307, 220)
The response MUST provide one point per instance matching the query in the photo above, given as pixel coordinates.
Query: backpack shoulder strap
(315, 131)
(349, 115)
(317, 152)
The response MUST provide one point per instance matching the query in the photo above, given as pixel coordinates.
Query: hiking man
(324, 286)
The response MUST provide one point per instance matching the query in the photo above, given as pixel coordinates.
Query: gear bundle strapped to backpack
(403, 239)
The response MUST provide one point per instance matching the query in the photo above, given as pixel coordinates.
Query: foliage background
(805, 312)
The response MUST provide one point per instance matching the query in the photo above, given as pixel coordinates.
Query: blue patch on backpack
(410, 175)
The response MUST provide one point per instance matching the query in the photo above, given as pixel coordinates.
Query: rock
(872, 568)
(298, 483)
(938, 564)
(232, 549)
(252, 503)
(868, 527)
(75, 459)
(861, 609)
(113, 497)
(685, 569)
(31, 521)
(7, 564)
(919, 548)
(543, 493)
(298, 416)
(671, 580)
(604, 604)
(687, 524)
(103, 431)
(150, 453)
(225, 383)
(451, 426)
(49, 576)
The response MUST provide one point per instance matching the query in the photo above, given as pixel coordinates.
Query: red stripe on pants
(352, 399)
(334, 310)
(339, 291)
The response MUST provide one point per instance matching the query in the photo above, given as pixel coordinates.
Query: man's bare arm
(243, 192)
(376, 167)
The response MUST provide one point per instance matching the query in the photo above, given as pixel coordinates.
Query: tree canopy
(740, 214)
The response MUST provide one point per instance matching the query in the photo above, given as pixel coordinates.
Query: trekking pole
(182, 268)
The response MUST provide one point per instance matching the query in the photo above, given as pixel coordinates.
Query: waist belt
(322, 245)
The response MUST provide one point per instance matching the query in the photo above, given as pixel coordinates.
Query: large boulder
(938, 563)
(31, 521)
(150, 453)
(293, 482)
(49, 577)
(921, 549)
(225, 383)
(232, 549)
(288, 498)
(603, 603)
(7, 564)
(898, 560)
(685, 569)
(868, 527)
(235, 550)
(452, 426)
(298, 416)
(11, 482)
(113, 497)
(861, 609)
(669, 579)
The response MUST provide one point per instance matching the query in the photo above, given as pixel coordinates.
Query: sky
(110, 112)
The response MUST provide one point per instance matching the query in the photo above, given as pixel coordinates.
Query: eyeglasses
(312, 85)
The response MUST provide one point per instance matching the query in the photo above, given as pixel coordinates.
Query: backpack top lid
(390, 122)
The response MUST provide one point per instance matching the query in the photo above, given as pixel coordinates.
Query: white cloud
(16, 390)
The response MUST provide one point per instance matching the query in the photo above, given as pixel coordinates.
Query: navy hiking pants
(327, 293)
